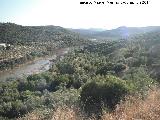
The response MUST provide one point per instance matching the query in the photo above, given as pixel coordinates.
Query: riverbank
(35, 66)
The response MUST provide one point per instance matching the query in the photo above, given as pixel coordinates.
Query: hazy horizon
(99, 29)
(71, 14)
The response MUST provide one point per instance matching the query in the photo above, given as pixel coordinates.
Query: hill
(149, 44)
(118, 33)
(88, 32)
(27, 42)
(12, 33)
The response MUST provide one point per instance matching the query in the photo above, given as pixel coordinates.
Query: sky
(72, 14)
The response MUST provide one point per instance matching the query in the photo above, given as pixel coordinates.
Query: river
(33, 67)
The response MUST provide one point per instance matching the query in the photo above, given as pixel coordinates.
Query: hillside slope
(118, 33)
(12, 33)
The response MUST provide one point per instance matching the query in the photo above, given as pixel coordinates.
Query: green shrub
(106, 90)
(140, 80)
(105, 69)
(66, 68)
(34, 77)
(119, 67)
(111, 68)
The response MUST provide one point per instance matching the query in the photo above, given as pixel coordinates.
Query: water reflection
(33, 67)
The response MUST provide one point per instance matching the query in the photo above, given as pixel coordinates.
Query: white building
(3, 45)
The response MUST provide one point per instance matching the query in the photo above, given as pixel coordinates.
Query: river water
(36, 66)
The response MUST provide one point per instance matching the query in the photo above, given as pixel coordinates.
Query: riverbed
(33, 67)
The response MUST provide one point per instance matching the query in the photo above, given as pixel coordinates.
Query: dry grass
(64, 113)
(137, 109)
(133, 108)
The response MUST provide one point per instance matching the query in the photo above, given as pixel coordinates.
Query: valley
(55, 73)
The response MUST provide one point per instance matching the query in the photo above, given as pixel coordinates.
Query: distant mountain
(13, 33)
(120, 32)
(127, 31)
(88, 32)
(148, 39)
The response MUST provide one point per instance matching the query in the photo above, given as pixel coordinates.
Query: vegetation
(30, 42)
(92, 81)
(132, 108)
(122, 32)
(17, 34)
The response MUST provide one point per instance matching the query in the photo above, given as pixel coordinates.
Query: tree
(66, 68)
(107, 90)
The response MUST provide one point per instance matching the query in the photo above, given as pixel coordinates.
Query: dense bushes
(19, 97)
(92, 80)
(140, 80)
(103, 90)
(11, 105)
(111, 68)
(103, 48)
(65, 68)
(17, 34)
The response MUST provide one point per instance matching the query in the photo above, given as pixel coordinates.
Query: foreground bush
(103, 91)
(134, 108)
